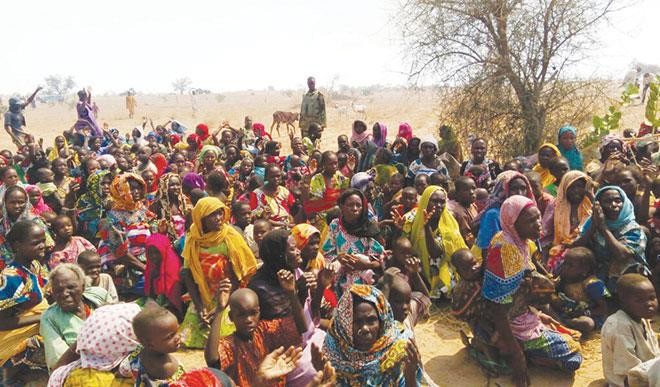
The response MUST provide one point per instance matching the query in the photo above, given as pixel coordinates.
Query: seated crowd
(312, 268)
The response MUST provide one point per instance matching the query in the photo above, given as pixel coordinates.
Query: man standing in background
(131, 102)
(312, 109)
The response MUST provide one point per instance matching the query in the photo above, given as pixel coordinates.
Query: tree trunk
(533, 117)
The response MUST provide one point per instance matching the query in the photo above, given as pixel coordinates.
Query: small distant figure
(15, 120)
(646, 83)
(193, 102)
(86, 115)
(312, 108)
(131, 103)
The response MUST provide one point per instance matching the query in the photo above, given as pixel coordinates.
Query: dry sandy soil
(444, 356)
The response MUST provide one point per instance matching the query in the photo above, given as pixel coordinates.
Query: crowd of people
(312, 268)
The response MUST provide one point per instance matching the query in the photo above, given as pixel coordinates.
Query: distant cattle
(288, 118)
(360, 110)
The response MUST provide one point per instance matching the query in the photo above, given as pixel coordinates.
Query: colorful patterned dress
(341, 242)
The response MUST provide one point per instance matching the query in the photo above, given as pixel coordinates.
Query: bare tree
(182, 84)
(59, 85)
(506, 56)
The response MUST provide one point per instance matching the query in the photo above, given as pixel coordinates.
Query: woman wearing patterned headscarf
(125, 230)
(508, 183)
(520, 329)
(94, 203)
(370, 355)
(171, 206)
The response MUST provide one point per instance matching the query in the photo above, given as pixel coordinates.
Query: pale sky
(227, 45)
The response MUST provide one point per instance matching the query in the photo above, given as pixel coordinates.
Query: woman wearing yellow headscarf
(547, 153)
(213, 251)
(435, 236)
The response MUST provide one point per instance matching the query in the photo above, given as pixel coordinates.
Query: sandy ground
(444, 356)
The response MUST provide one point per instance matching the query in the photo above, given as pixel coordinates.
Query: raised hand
(412, 265)
(397, 216)
(598, 217)
(325, 378)
(287, 281)
(310, 279)
(313, 166)
(278, 363)
(347, 260)
(412, 360)
(223, 293)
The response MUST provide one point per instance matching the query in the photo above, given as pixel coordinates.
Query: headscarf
(383, 135)
(360, 137)
(205, 150)
(104, 341)
(573, 155)
(626, 215)
(242, 259)
(120, 190)
(505, 269)
(273, 301)
(54, 153)
(405, 131)
(562, 214)
(509, 213)
(361, 180)
(451, 239)
(40, 207)
(363, 227)
(197, 140)
(177, 127)
(428, 139)
(27, 213)
(608, 139)
(382, 363)
(108, 159)
(184, 205)
(501, 190)
(301, 234)
(546, 176)
(168, 280)
(160, 161)
(368, 157)
(205, 131)
(259, 130)
(93, 198)
(193, 180)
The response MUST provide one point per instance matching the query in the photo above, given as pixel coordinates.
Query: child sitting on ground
(466, 301)
(404, 287)
(90, 262)
(157, 330)
(240, 354)
(67, 246)
(627, 338)
(581, 296)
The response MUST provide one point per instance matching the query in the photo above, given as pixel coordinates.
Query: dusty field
(443, 354)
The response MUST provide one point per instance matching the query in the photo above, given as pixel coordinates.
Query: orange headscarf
(120, 190)
(562, 215)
